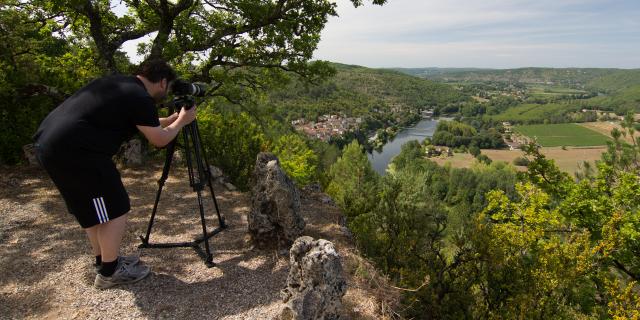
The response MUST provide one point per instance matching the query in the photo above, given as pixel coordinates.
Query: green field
(565, 134)
(544, 91)
(529, 112)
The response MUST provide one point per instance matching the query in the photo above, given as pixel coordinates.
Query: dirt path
(46, 261)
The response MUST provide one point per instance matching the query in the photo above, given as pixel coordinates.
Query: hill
(616, 81)
(574, 77)
(617, 90)
(432, 72)
(357, 91)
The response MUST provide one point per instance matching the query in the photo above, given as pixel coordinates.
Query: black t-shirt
(97, 118)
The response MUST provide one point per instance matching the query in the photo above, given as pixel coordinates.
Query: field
(565, 134)
(551, 91)
(530, 111)
(567, 160)
(605, 128)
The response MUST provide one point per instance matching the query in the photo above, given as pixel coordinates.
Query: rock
(316, 283)
(178, 157)
(327, 200)
(275, 205)
(230, 187)
(132, 152)
(313, 187)
(215, 172)
(30, 153)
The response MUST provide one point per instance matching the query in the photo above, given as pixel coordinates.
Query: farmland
(605, 128)
(531, 112)
(542, 91)
(568, 160)
(566, 134)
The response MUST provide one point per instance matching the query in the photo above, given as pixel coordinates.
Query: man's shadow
(235, 289)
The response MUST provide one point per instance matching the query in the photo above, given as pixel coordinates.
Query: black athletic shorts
(90, 185)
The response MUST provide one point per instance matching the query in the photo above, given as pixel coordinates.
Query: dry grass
(458, 160)
(46, 260)
(605, 128)
(567, 160)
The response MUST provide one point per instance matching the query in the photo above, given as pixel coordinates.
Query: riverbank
(381, 157)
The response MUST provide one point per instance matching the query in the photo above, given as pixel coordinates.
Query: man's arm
(160, 137)
(165, 122)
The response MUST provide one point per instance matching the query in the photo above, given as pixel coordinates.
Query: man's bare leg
(92, 234)
(109, 237)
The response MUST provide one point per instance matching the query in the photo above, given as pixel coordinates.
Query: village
(327, 126)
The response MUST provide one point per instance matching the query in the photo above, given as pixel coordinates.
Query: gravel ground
(46, 260)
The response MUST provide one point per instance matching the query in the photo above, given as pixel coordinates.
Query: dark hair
(156, 69)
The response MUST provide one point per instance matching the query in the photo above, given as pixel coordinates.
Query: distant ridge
(605, 79)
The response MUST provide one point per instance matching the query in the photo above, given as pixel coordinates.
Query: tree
(354, 184)
(37, 70)
(232, 141)
(532, 266)
(239, 45)
(474, 151)
(296, 158)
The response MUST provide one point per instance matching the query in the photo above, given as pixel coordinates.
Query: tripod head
(179, 102)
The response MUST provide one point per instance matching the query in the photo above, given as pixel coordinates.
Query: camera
(184, 94)
(184, 88)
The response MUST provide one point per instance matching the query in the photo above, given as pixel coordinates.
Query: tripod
(199, 175)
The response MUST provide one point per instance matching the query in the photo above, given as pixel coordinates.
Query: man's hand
(160, 137)
(186, 116)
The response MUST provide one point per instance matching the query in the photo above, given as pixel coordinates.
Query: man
(75, 144)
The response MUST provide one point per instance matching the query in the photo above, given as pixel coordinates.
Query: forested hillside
(578, 77)
(362, 92)
(551, 94)
(616, 81)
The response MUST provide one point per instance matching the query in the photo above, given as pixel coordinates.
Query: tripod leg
(165, 174)
(197, 147)
(207, 169)
(191, 138)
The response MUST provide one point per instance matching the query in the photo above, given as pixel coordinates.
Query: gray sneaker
(125, 273)
(125, 259)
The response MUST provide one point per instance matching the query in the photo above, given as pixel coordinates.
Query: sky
(485, 34)
(482, 34)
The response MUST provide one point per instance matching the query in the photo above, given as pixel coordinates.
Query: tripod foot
(145, 242)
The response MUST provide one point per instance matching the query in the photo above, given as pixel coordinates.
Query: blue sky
(485, 33)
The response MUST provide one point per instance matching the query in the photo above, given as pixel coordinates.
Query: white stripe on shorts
(104, 210)
(101, 209)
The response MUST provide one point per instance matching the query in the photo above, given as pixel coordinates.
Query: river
(380, 160)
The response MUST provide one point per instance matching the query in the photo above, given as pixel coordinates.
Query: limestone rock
(316, 283)
(132, 152)
(275, 205)
(215, 172)
(30, 153)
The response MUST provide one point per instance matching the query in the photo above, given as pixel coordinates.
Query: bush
(298, 160)
(484, 159)
(474, 151)
(521, 161)
(232, 142)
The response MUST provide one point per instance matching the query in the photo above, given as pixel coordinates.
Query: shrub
(484, 159)
(521, 161)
